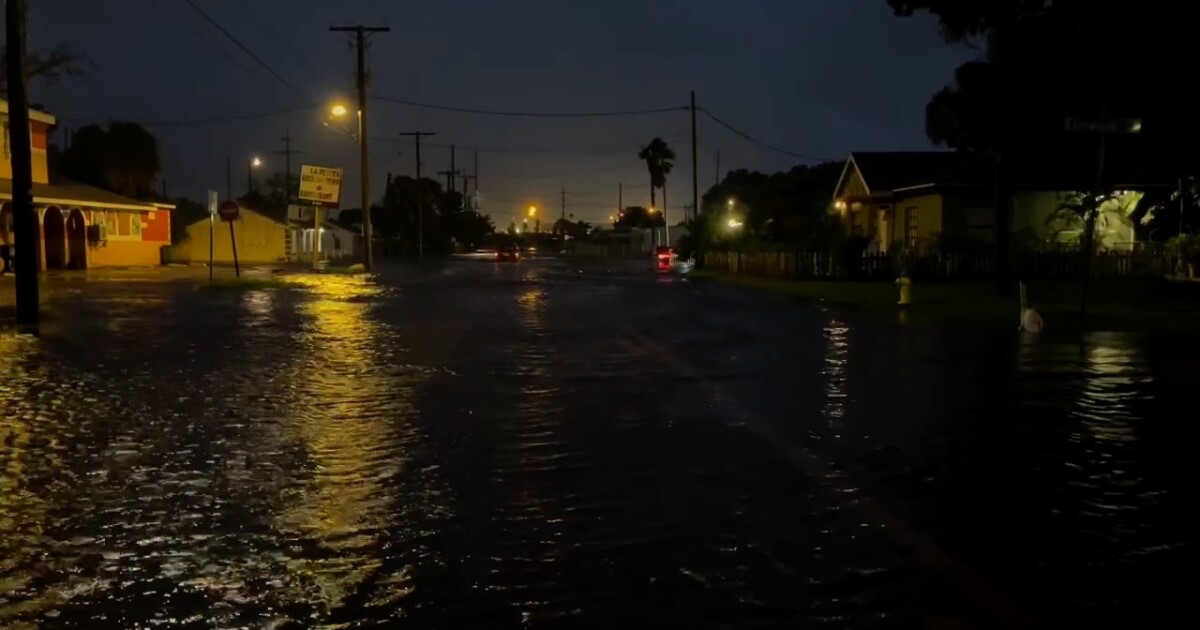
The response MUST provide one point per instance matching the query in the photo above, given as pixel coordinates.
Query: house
(265, 237)
(260, 239)
(914, 199)
(80, 226)
(336, 241)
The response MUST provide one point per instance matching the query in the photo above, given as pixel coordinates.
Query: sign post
(229, 213)
(1101, 126)
(322, 187)
(212, 219)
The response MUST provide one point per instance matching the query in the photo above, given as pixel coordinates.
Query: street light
(338, 110)
(532, 211)
(255, 162)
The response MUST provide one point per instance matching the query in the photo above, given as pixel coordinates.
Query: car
(663, 258)
(508, 253)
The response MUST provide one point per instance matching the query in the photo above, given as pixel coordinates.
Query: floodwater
(556, 444)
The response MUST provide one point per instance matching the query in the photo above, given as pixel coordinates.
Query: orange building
(81, 226)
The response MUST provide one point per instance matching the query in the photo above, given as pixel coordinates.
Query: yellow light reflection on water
(350, 416)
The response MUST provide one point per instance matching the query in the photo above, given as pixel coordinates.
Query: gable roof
(885, 171)
(65, 192)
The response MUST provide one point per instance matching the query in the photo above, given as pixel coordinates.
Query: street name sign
(1103, 125)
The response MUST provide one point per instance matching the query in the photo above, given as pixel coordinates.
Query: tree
(639, 217)
(51, 67)
(122, 158)
(186, 213)
(659, 159)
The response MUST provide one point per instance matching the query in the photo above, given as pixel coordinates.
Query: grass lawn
(1120, 306)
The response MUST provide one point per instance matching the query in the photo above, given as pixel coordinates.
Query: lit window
(910, 227)
(135, 224)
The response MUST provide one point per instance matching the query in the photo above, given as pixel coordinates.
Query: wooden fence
(979, 265)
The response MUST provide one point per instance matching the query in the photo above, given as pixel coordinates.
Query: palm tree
(660, 159)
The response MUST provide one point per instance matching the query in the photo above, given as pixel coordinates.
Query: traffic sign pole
(229, 211)
(1101, 126)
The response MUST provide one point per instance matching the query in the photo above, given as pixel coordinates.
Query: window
(910, 227)
(856, 226)
(111, 225)
(135, 224)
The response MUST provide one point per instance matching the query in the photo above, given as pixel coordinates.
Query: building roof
(70, 193)
(892, 170)
(34, 114)
(1061, 167)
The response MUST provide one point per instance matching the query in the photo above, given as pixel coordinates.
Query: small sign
(1103, 125)
(321, 185)
(213, 201)
(228, 210)
(300, 213)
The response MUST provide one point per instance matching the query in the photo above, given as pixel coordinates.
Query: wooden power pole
(25, 222)
(360, 33)
(420, 198)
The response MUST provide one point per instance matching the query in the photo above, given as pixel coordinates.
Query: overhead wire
(739, 132)
(526, 114)
(246, 49)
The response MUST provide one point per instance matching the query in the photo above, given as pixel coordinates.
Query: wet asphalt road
(561, 444)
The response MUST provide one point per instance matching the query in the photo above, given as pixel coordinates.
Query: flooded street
(561, 444)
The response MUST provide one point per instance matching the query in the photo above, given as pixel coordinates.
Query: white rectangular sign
(212, 202)
(300, 213)
(321, 185)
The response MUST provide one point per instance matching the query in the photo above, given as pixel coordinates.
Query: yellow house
(899, 199)
(80, 226)
(908, 200)
(260, 239)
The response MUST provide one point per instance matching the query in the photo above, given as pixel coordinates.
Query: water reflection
(837, 351)
(351, 413)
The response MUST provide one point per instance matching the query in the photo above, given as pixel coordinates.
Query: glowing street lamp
(255, 162)
(338, 111)
(532, 211)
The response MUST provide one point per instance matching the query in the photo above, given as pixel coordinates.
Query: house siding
(259, 240)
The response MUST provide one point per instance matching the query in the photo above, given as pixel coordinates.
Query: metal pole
(237, 271)
(695, 166)
(25, 223)
(211, 231)
(228, 177)
(362, 153)
(316, 237)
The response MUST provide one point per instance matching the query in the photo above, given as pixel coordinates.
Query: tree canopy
(122, 157)
(660, 159)
(51, 66)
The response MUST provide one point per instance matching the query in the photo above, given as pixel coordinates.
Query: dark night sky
(818, 77)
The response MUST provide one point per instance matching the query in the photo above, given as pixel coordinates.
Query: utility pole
(287, 161)
(228, 177)
(717, 174)
(450, 175)
(453, 170)
(695, 166)
(564, 203)
(360, 32)
(475, 198)
(466, 188)
(25, 222)
(620, 199)
(420, 198)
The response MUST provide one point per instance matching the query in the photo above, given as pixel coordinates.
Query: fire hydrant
(905, 284)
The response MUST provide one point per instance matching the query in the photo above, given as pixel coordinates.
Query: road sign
(321, 185)
(1103, 125)
(213, 201)
(300, 213)
(228, 210)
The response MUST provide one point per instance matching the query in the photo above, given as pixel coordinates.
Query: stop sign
(228, 210)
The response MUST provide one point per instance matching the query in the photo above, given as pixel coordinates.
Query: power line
(772, 147)
(246, 49)
(493, 112)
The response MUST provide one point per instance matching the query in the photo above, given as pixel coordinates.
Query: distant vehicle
(663, 257)
(508, 253)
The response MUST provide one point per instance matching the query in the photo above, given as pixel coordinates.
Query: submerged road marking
(972, 585)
